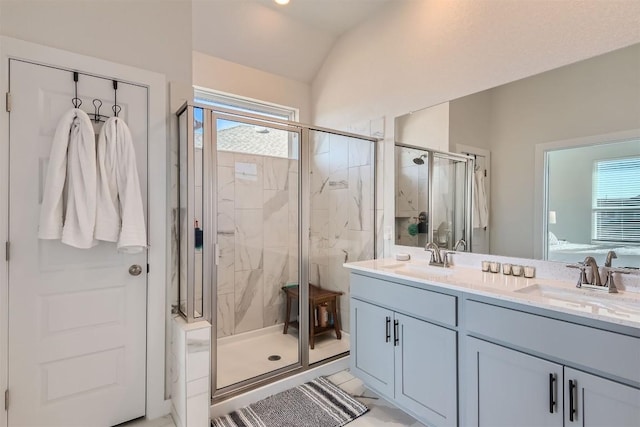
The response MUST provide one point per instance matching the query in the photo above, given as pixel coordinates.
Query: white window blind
(616, 200)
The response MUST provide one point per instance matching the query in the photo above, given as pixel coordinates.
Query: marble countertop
(622, 308)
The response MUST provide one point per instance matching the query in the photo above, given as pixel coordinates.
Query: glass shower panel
(342, 228)
(412, 196)
(258, 240)
(450, 195)
(190, 215)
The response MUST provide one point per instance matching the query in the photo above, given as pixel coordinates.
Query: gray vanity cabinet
(508, 388)
(410, 361)
(372, 356)
(599, 402)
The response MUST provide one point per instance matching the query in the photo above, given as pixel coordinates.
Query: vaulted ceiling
(291, 41)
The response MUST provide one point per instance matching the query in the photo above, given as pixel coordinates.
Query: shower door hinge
(147, 268)
(485, 173)
(7, 246)
(8, 102)
(216, 251)
(6, 400)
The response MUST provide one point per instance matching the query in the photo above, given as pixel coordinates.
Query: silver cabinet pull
(135, 270)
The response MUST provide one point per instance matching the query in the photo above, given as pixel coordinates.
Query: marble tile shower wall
(258, 238)
(343, 214)
(411, 197)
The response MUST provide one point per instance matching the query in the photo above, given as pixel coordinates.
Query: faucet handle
(582, 279)
(445, 257)
(610, 283)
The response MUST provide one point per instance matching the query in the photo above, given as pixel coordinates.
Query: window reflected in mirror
(593, 203)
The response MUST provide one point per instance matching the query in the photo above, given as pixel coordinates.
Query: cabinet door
(509, 388)
(599, 402)
(426, 371)
(372, 346)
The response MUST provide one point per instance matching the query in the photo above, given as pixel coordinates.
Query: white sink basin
(415, 269)
(588, 299)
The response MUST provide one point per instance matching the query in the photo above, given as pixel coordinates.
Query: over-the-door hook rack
(96, 116)
(77, 102)
(116, 108)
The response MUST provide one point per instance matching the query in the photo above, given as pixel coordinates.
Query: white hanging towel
(72, 160)
(480, 209)
(120, 214)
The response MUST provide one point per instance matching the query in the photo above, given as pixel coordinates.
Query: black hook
(77, 102)
(116, 108)
(97, 117)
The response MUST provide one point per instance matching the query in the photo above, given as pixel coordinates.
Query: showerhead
(418, 160)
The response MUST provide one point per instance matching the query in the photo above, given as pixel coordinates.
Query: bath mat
(318, 403)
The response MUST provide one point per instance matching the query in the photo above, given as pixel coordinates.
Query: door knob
(135, 270)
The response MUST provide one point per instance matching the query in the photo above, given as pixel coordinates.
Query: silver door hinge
(6, 400)
(7, 246)
(8, 102)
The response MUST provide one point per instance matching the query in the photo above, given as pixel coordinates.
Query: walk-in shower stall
(269, 210)
(433, 197)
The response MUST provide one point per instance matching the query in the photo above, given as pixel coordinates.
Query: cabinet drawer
(578, 345)
(412, 301)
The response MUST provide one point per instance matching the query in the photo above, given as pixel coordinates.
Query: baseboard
(252, 396)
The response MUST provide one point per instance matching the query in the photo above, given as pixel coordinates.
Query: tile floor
(381, 412)
(245, 356)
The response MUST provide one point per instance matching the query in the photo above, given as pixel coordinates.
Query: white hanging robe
(120, 213)
(72, 160)
(480, 208)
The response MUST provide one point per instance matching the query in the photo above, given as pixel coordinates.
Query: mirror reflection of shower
(420, 160)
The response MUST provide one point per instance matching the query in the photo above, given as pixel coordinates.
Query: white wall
(152, 35)
(414, 54)
(218, 74)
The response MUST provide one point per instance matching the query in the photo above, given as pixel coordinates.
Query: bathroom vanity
(461, 347)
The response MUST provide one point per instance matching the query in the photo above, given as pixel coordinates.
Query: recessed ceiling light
(282, 2)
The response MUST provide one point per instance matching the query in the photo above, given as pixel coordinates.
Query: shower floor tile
(245, 356)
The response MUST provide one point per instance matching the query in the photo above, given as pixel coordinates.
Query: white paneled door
(77, 317)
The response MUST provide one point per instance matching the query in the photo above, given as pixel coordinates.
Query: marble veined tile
(407, 190)
(360, 198)
(226, 183)
(276, 173)
(360, 152)
(248, 181)
(276, 274)
(276, 218)
(274, 314)
(319, 142)
(226, 263)
(319, 236)
(318, 274)
(319, 180)
(226, 217)
(339, 203)
(338, 152)
(249, 305)
(249, 239)
(226, 314)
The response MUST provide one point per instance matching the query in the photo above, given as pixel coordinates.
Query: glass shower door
(257, 234)
(450, 200)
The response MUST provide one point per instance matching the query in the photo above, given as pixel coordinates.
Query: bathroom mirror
(518, 132)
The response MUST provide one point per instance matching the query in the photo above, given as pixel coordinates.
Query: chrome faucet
(462, 243)
(595, 273)
(611, 255)
(436, 258)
